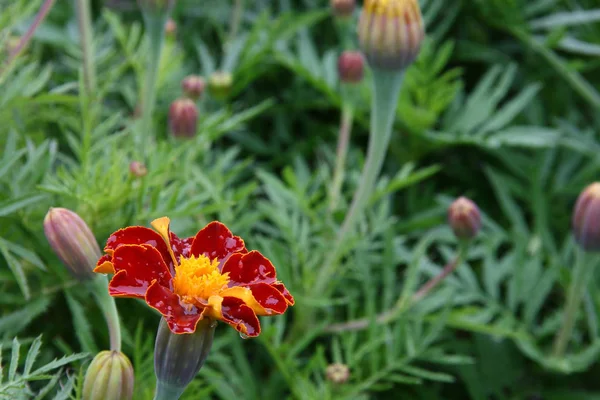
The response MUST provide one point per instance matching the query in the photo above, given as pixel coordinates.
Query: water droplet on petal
(243, 336)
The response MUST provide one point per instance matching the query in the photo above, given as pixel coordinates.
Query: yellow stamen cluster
(198, 278)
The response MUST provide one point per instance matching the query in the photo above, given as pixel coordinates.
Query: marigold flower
(337, 373)
(210, 275)
(351, 67)
(390, 32)
(193, 86)
(220, 84)
(183, 118)
(343, 8)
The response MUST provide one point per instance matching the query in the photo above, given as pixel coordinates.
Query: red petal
(249, 268)
(136, 267)
(215, 240)
(281, 287)
(240, 316)
(269, 298)
(167, 303)
(181, 247)
(139, 235)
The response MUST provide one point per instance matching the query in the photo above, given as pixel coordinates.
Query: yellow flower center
(198, 278)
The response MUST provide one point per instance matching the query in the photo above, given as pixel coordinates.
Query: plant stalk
(26, 38)
(99, 288)
(342, 153)
(155, 31)
(386, 85)
(164, 391)
(400, 306)
(236, 19)
(84, 20)
(584, 267)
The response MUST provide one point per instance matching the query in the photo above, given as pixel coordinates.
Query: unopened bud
(586, 218)
(464, 218)
(337, 373)
(390, 33)
(343, 8)
(183, 118)
(109, 377)
(179, 357)
(351, 67)
(138, 169)
(219, 84)
(170, 28)
(72, 241)
(193, 86)
(156, 6)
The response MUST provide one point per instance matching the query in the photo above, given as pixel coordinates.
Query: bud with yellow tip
(391, 32)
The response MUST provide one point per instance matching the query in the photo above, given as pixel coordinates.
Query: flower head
(193, 86)
(343, 8)
(138, 169)
(337, 373)
(464, 218)
(109, 377)
(183, 118)
(210, 275)
(351, 67)
(586, 218)
(391, 32)
(73, 242)
(220, 84)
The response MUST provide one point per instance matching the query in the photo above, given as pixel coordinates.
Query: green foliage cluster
(502, 105)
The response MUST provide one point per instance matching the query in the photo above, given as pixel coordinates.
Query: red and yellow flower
(210, 275)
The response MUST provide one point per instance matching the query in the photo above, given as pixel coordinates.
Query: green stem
(584, 267)
(236, 19)
(99, 288)
(386, 85)
(84, 19)
(164, 391)
(342, 152)
(155, 31)
(448, 269)
(26, 38)
(401, 306)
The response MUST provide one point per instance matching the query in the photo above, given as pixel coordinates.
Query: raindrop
(243, 336)
(213, 324)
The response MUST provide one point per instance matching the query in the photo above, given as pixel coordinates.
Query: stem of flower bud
(84, 20)
(584, 267)
(99, 288)
(155, 33)
(386, 85)
(342, 152)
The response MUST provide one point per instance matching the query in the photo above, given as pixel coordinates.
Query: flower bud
(193, 86)
(179, 357)
(170, 28)
(586, 218)
(464, 218)
(390, 33)
(72, 241)
(343, 8)
(109, 377)
(219, 84)
(337, 373)
(183, 118)
(138, 169)
(156, 6)
(351, 67)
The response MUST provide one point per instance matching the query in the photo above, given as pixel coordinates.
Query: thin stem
(26, 38)
(342, 152)
(236, 19)
(155, 31)
(99, 288)
(400, 306)
(581, 275)
(84, 19)
(448, 269)
(386, 86)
